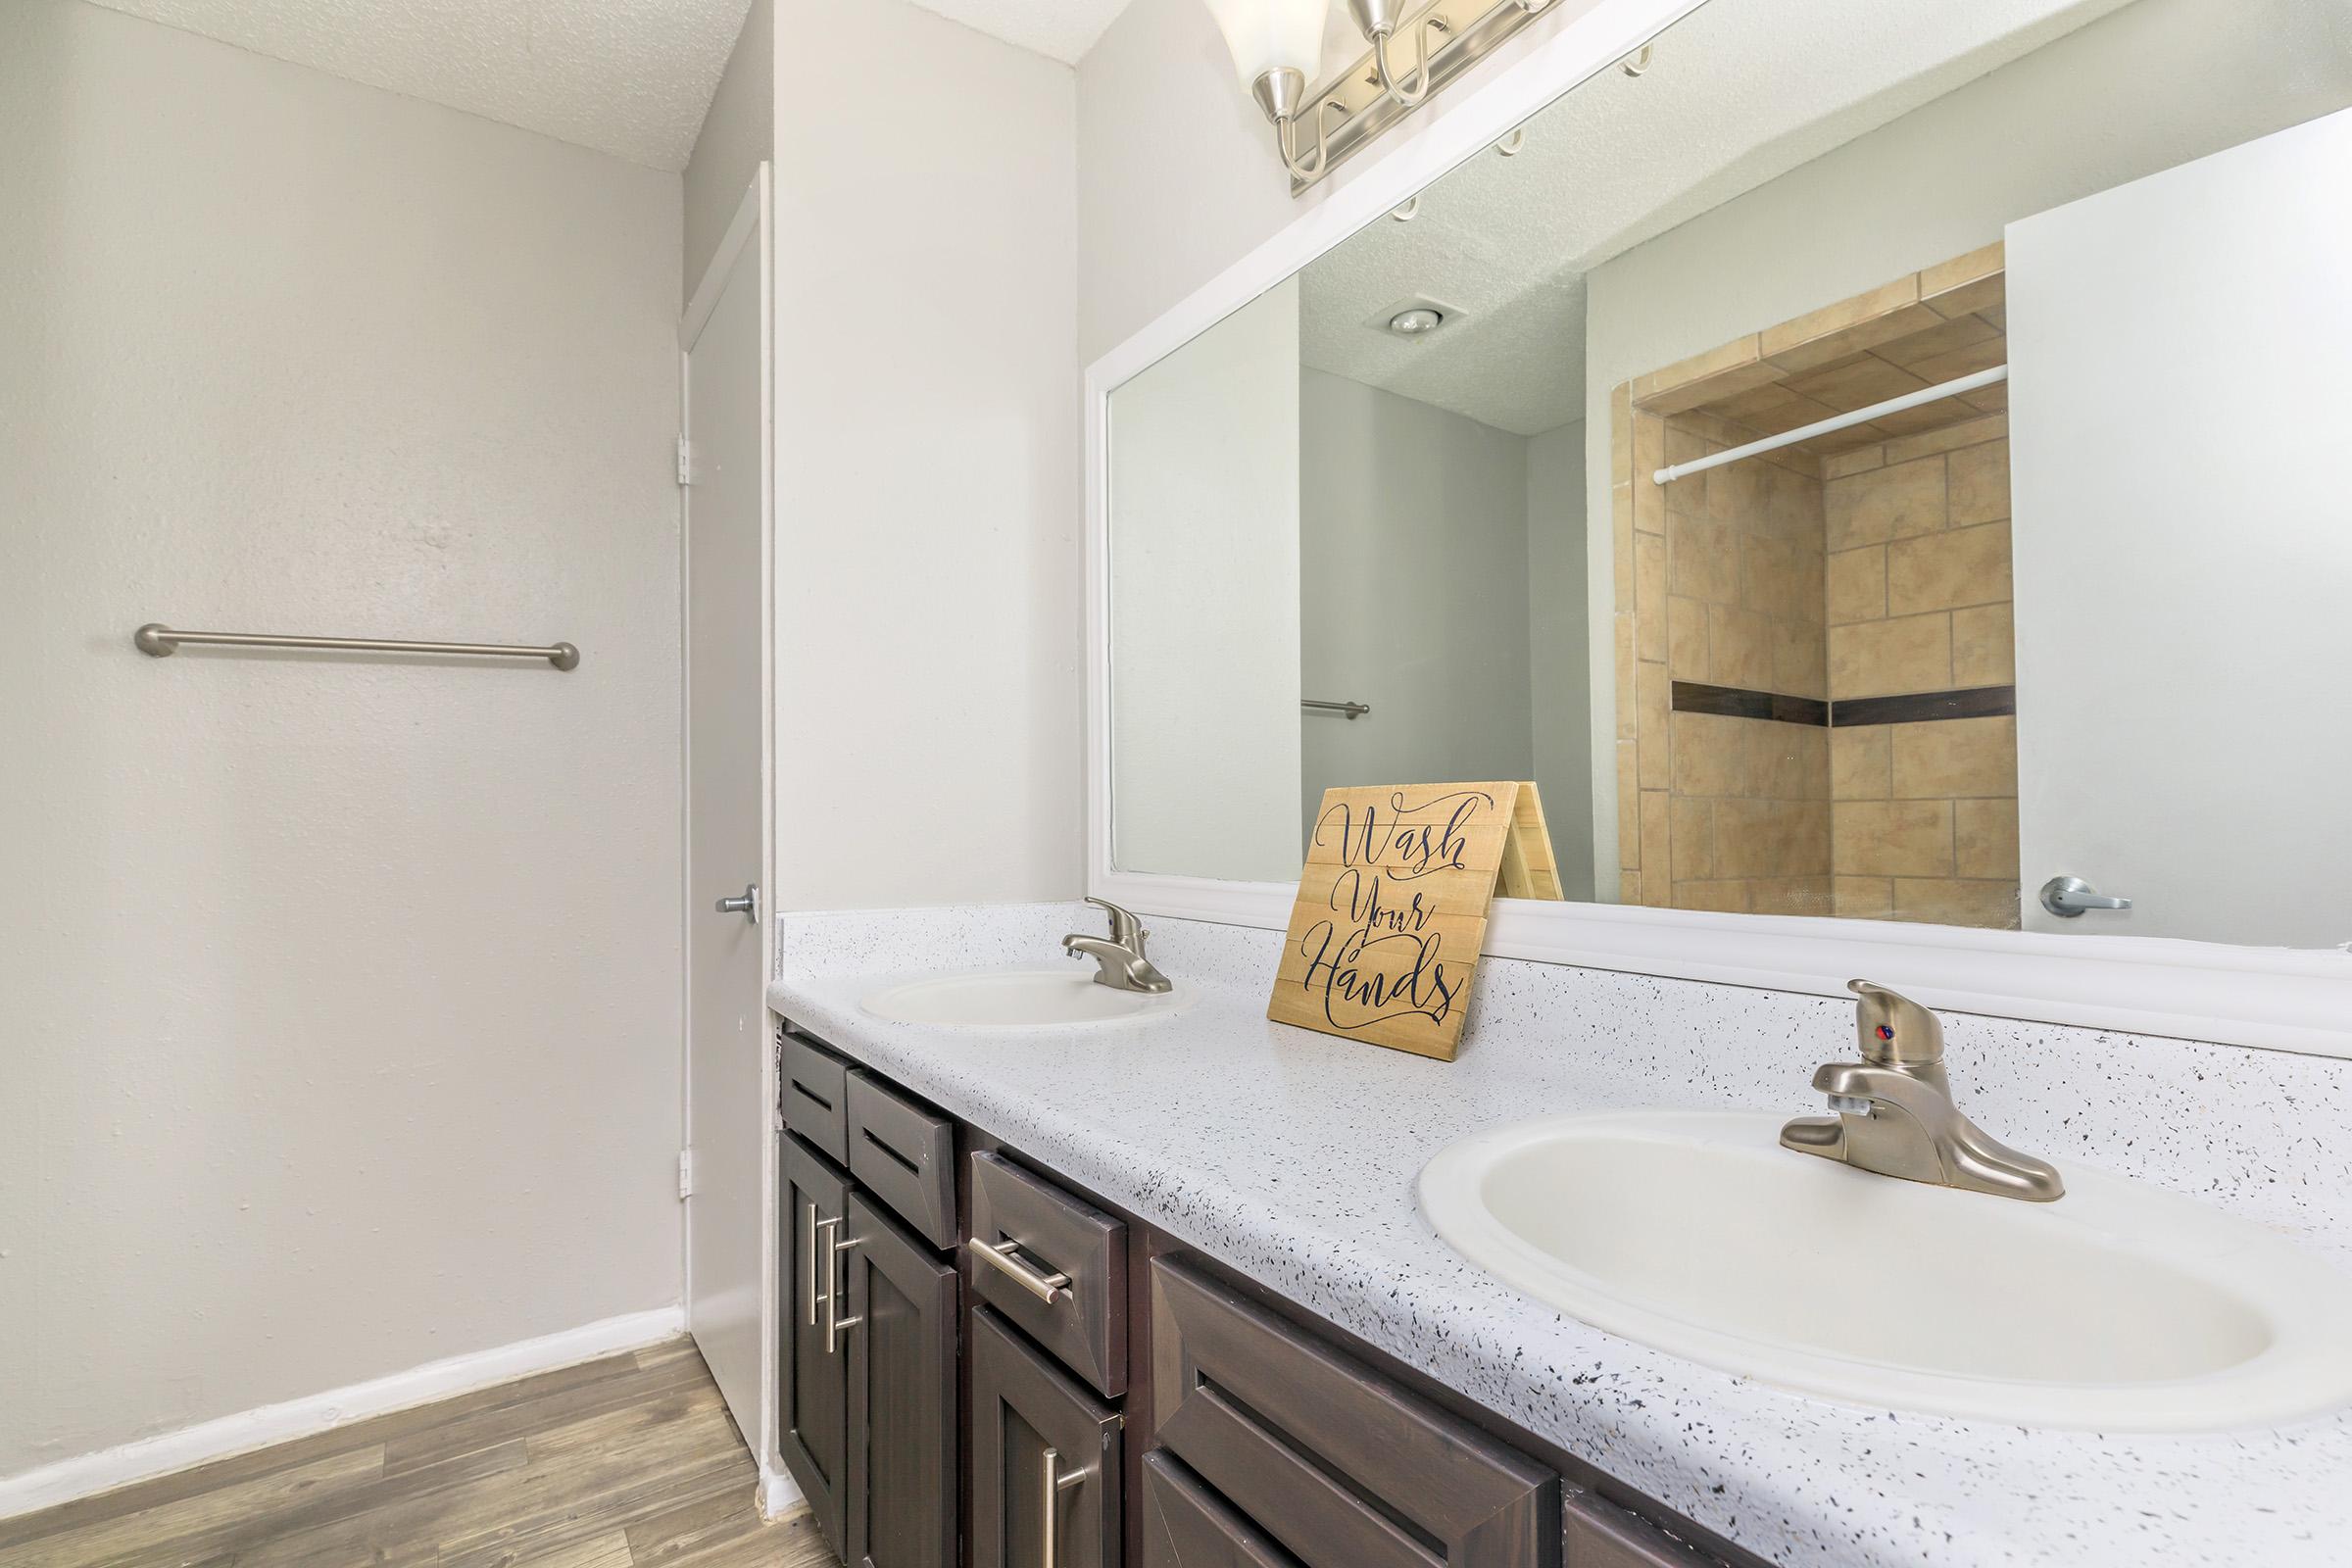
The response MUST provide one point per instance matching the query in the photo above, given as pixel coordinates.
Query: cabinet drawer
(815, 1095)
(1188, 1526)
(1046, 1460)
(1051, 1236)
(905, 1156)
(1600, 1535)
(1340, 1466)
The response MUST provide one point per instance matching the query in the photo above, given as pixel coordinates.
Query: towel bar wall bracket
(159, 641)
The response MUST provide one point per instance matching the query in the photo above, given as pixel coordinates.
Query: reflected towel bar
(1353, 710)
(1843, 422)
(159, 642)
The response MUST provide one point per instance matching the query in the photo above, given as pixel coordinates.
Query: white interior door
(2184, 553)
(728, 1131)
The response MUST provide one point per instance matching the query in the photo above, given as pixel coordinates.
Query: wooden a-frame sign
(1391, 907)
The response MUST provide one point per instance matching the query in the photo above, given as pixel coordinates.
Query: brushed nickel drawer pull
(1000, 1256)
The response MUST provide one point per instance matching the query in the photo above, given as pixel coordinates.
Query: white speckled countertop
(1291, 1156)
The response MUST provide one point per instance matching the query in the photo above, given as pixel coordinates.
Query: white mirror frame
(2274, 997)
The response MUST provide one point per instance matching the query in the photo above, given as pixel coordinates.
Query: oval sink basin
(1018, 998)
(2118, 1308)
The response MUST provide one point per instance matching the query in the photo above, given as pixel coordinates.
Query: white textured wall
(930, 619)
(738, 134)
(1204, 598)
(1414, 588)
(1177, 178)
(338, 997)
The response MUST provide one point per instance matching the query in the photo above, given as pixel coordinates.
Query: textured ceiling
(1739, 93)
(1058, 29)
(631, 78)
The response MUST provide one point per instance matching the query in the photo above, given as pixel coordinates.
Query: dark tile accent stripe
(1981, 702)
(1736, 702)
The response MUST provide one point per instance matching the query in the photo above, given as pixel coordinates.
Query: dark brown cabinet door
(900, 1334)
(814, 1383)
(1188, 1526)
(1045, 1460)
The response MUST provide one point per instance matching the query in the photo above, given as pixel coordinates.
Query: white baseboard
(780, 1497)
(247, 1430)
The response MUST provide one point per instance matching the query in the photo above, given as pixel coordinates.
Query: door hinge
(685, 1174)
(779, 1082)
(685, 460)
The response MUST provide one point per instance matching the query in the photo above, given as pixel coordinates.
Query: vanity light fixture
(1377, 21)
(1277, 47)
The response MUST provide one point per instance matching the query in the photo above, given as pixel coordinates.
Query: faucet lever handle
(1895, 1030)
(1125, 928)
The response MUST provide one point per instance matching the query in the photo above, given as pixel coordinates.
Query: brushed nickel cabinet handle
(835, 1323)
(1000, 1256)
(821, 1255)
(809, 1236)
(1055, 1485)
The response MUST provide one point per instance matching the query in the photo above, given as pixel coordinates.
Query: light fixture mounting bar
(1471, 31)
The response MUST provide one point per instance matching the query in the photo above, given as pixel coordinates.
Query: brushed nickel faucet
(1121, 962)
(1893, 1112)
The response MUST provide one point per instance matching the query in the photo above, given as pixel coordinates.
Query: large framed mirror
(1878, 476)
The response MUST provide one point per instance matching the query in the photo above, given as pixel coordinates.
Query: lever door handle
(747, 905)
(2067, 896)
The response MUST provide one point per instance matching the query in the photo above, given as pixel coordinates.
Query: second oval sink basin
(2119, 1308)
(1013, 999)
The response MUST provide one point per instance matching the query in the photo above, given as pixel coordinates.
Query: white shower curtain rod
(1841, 421)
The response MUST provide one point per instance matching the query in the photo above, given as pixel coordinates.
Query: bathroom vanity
(1254, 1317)
(1097, 1391)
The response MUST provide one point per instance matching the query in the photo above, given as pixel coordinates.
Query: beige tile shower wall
(1924, 822)
(1721, 581)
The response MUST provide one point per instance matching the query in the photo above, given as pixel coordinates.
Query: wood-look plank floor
(618, 1463)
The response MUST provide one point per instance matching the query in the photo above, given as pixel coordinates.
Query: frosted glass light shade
(1271, 36)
